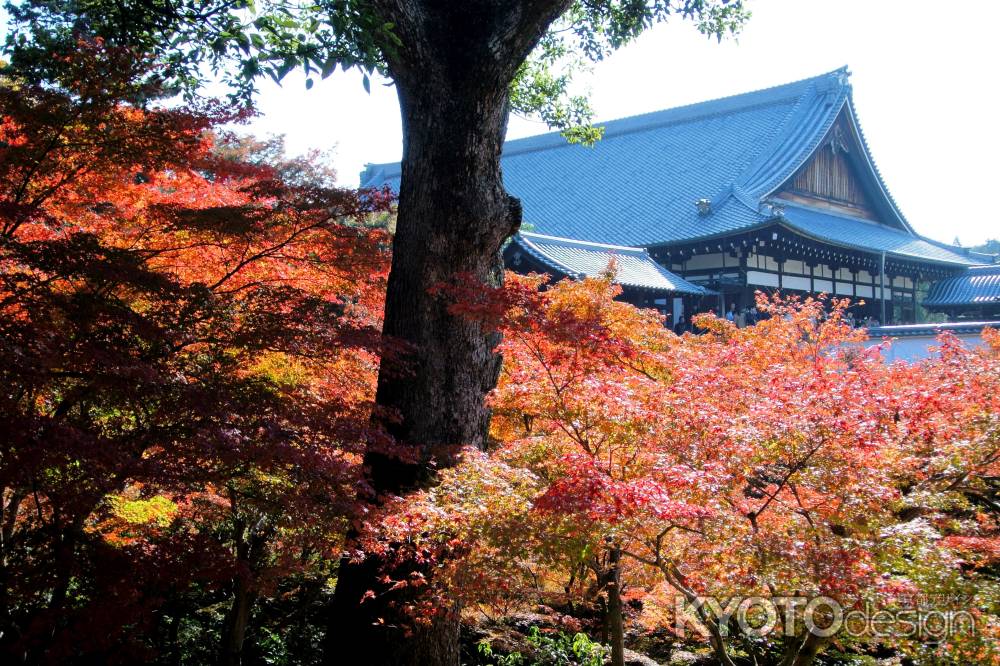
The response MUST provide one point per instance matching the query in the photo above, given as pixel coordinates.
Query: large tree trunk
(453, 217)
(452, 69)
(374, 631)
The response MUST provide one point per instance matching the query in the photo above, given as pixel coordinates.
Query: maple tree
(950, 482)
(785, 460)
(188, 344)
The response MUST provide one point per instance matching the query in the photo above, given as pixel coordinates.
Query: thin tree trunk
(173, 637)
(235, 625)
(804, 650)
(63, 561)
(452, 65)
(11, 507)
(251, 542)
(676, 580)
(616, 623)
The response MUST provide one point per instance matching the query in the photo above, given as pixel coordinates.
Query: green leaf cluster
(238, 42)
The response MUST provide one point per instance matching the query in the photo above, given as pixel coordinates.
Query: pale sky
(924, 76)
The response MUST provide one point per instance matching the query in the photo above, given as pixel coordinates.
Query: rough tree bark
(452, 71)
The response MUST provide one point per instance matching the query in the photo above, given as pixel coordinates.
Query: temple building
(702, 205)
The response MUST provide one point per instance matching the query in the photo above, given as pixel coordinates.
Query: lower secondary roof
(921, 330)
(633, 266)
(978, 285)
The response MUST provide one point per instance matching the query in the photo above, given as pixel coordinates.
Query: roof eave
(711, 237)
(546, 260)
(789, 226)
(542, 257)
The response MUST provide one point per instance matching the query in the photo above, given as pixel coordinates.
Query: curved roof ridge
(767, 152)
(870, 160)
(745, 198)
(801, 133)
(719, 106)
(805, 144)
(735, 188)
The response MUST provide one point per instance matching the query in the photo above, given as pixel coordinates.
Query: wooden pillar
(881, 280)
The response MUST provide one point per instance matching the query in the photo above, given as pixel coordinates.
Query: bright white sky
(924, 77)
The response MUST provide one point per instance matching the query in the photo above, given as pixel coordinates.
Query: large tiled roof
(633, 266)
(638, 185)
(978, 285)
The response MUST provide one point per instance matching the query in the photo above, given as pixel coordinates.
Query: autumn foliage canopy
(784, 460)
(189, 331)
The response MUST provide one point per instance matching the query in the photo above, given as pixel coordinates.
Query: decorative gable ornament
(838, 140)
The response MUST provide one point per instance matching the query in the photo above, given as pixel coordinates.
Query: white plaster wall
(917, 347)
